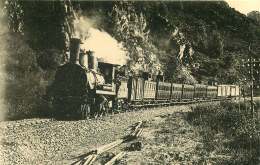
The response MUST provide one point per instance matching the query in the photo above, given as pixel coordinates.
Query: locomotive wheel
(122, 105)
(125, 106)
(84, 111)
(103, 110)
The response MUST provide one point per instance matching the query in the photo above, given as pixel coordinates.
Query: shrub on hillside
(25, 83)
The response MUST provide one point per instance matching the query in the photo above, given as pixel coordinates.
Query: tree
(131, 28)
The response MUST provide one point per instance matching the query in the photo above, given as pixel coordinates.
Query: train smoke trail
(104, 45)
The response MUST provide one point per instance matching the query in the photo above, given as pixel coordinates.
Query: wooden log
(109, 146)
(90, 159)
(79, 162)
(115, 158)
(139, 132)
(102, 149)
(134, 133)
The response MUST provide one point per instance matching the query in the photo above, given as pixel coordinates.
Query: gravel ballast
(47, 141)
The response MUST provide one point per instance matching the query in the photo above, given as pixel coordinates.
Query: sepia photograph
(129, 82)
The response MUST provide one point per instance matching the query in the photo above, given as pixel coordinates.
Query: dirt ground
(47, 141)
(168, 139)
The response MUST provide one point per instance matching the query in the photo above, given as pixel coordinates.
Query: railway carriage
(223, 91)
(163, 91)
(149, 90)
(212, 92)
(176, 92)
(137, 89)
(234, 90)
(200, 91)
(228, 90)
(123, 90)
(187, 92)
(237, 91)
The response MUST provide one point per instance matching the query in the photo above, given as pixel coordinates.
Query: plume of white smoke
(104, 45)
(81, 27)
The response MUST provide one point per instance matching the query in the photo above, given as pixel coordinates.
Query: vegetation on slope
(206, 38)
(228, 130)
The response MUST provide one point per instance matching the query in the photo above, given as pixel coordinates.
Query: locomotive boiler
(84, 86)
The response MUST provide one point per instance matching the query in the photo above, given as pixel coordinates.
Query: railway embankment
(195, 134)
(222, 133)
(47, 141)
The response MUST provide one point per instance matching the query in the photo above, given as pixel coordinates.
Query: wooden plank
(90, 159)
(134, 133)
(115, 158)
(109, 146)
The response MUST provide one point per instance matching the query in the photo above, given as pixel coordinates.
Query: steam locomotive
(77, 92)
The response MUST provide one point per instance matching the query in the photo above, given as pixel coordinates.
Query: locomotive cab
(108, 72)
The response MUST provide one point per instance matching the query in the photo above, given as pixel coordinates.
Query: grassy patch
(229, 132)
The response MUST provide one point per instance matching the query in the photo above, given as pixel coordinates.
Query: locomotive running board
(105, 92)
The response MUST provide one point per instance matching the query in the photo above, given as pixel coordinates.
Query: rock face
(206, 38)
(254, 15)
(190, 41)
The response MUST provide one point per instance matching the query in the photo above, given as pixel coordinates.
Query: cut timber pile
(92, 155)
(115, 158)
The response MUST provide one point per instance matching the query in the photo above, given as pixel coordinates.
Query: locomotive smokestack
(74, 50)
(92, 61)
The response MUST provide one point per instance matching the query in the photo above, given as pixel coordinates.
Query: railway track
(134, 107)
(171, 103)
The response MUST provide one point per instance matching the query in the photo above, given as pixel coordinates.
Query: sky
(244, 6)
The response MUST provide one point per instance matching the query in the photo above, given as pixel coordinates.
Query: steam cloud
(81, 27)
(104, 46)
